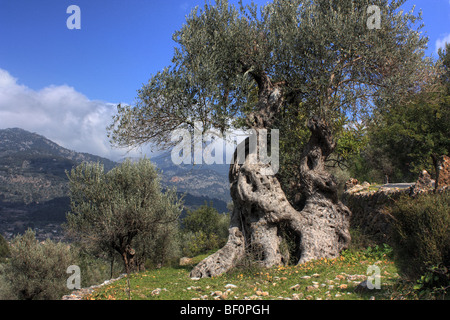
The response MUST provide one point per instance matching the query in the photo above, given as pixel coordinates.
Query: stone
(443, 172)
(295, 287)
(156, 292)
(351, 183)
(185, 261)
(423, 184)
(297, 296)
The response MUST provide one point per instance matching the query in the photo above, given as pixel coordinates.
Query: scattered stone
(194, 288)
(297, 296)
(343, 286)
(311, 288)
(82, 293)
(156, 292)
(228, 286)
(315, 275)
(353, 277)
(296, 287)
(305, 277)
(185, 261)
(443, 172)
(362, 287)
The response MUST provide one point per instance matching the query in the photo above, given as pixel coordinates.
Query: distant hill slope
(34, 185)
(198, 180)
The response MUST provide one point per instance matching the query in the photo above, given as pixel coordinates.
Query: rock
(351, 183)
(362, 287)
(229, 286)
(423, 184)
(297, 296)
(311, 288)
(296, 287)
(185, 261)
(339, 277)
(156, 292)
(443, 172)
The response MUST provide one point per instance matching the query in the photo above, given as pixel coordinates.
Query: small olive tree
(115, 211)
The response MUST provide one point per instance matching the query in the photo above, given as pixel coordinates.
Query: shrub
(37, 271)
(4, 249)
(422, 233)
(203, 230)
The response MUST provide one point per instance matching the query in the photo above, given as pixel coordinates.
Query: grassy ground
(321, 279)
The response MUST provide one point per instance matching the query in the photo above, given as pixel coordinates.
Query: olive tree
(241, 68)
(116, 210)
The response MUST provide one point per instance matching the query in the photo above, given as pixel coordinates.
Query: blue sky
(65, 83)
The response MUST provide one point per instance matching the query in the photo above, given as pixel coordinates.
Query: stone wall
(368, 203)
(369, 214)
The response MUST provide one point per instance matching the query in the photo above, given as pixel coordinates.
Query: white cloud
(440, 43)
(59, 113)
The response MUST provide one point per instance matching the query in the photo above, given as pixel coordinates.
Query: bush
(422, 233)
(36, 271)
(203, 230)
(4, 249)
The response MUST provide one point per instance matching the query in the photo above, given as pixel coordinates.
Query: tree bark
(261, 211)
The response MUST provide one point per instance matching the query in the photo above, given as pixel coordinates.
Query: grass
(323, 279)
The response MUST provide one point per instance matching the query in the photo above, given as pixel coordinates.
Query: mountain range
(34, 186)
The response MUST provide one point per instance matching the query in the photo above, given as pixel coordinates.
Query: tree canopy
(240, 67)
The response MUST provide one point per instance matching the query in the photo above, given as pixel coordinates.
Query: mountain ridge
(34, 185)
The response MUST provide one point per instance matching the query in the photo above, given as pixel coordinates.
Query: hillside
(197, 180)
(34, 185)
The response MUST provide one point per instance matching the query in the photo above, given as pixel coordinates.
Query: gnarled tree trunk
(261, 211)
